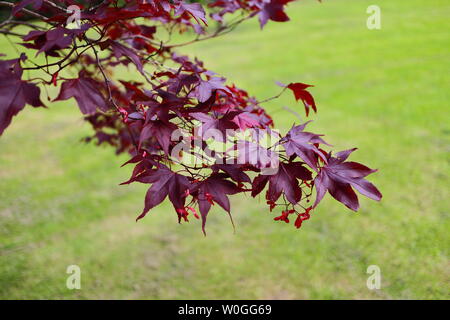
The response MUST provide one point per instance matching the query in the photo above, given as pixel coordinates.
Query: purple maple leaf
(301, 143)
(216, 122)
(256, 155)
(246, 120)
(339, 176)
(216, 189)
(14, 92)
(164, 183)
(161, 131)
(36, 4)
(120, 50)
(194, 9)
(49, 41)
(284, 181)
(234, 171)
(205, 88)
(273, 10)
(86, 93)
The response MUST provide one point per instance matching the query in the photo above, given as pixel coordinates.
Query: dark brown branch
(54, 5)
(219, 32)
(111, 98)
(11, 33)
(274, 97)
(25, 23)
(32, 13)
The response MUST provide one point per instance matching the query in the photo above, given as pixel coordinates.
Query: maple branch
(105, 77)
(11, 33)
(32, 13)
(111, 98)
(222, 30)
(274, 97)
(97, 6)
(6, 22)
(25, 23)
(54, 5)
(141, 37)
(58, 63)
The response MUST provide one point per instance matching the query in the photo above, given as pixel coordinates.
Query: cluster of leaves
(172, 92)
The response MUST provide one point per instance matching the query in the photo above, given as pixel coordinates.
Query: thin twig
(32, 13)
(274, 97)
(219, 32)
(54, 5)
(25, 23)
(11, 33)
(111, 98)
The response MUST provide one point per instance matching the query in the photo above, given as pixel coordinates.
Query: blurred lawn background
(386, 92)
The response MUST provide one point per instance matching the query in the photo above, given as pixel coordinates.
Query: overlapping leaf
(164, 183)
(214, 189)
(86, 93)
(285, 181)
(304, 145)
(338, 177)
(14, 92)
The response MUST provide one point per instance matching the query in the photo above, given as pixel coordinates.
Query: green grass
(386, 92)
